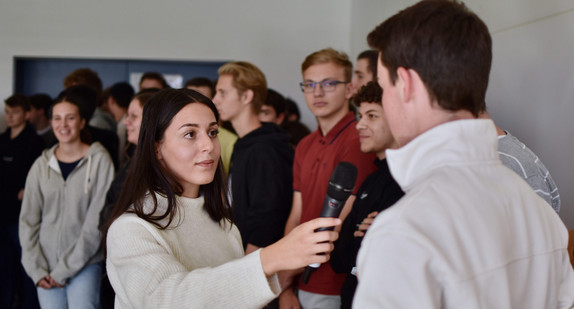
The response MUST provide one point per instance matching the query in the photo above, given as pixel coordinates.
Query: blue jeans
(81, 291)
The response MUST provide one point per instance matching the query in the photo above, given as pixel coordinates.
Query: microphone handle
(331, 209)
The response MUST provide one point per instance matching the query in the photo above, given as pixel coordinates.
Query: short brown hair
(369, 93)
(329, 55)
(246, 76)
(18, 99)
(86, 77)
(155, 76)
(446, 44)
(372, 56)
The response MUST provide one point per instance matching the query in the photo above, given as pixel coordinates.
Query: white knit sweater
(194, 263)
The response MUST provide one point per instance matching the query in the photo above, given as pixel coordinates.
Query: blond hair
(329, 55)
(246, 76)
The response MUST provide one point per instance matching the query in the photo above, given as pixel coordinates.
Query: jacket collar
(452, 143)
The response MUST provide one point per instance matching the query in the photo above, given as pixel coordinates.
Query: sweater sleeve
(33, 258)
(145, 274)
(88, 244)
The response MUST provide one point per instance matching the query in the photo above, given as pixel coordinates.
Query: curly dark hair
(369, 93)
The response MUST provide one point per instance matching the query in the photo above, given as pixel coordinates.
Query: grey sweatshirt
(59, 218)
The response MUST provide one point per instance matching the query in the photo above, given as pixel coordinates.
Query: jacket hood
(268, 133)
(52, 162)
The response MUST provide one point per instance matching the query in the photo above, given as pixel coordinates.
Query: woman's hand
(48, 283)
(54, 283)
(44, 283)
(301, 247)
(366, 224)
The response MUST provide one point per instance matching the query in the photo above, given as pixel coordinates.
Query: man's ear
(348, 90)
(27, 115)
(247, 96)
(280, 118)
(112, 101)
(404, 82)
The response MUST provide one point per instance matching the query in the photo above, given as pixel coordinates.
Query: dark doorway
(45, 75)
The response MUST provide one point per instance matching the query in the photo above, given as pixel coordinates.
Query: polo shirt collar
(341, 126)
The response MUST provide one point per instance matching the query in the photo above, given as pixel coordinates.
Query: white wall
(531, 90)
(532, 81)
(275, 35)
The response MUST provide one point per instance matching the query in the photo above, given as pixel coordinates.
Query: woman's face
(133, 121)
(66, 122)
(190, 148)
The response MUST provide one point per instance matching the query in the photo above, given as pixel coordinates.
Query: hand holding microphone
(339, 189)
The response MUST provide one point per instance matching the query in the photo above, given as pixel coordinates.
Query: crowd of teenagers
(209, 196)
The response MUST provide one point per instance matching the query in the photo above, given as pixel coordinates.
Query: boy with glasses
(327, 89)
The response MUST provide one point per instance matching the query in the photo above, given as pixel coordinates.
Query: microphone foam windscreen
(342, 181)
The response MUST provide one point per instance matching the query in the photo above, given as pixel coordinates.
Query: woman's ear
(158, 151)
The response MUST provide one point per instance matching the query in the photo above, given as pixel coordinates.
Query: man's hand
(366, 224)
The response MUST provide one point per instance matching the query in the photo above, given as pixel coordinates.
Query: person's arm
(365, 224)
(295, 215)
(89, 239)
(145, 273)
(251, 248)
(33, 258)
(288, 299)
(346, 210)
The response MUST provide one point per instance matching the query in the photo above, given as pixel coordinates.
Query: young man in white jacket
(469, 233)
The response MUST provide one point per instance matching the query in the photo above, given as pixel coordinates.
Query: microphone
(339, 189)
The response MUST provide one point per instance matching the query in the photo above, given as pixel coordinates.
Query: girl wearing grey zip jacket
(64, 195)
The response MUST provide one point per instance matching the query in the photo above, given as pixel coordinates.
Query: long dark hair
(147, 174)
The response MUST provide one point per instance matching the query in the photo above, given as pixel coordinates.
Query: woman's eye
(213, 133)
(190, 134)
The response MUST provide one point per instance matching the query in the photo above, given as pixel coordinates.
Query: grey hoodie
(59, 219)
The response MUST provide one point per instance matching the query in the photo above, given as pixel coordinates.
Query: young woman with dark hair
(171, 242)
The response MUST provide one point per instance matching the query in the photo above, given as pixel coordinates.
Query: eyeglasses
(326, 85)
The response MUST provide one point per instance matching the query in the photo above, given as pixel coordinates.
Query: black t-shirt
(67, 168)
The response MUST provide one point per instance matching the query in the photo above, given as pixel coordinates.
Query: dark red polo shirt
(316, 157)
